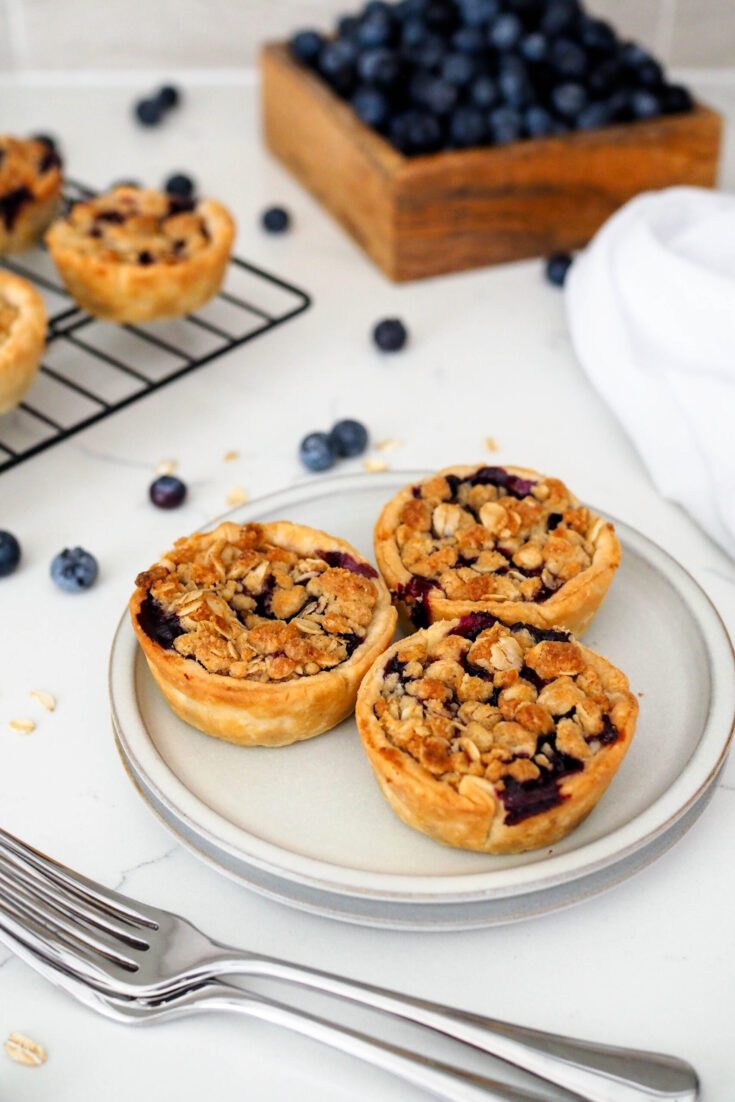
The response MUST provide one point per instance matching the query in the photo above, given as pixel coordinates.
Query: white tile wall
(72, 34)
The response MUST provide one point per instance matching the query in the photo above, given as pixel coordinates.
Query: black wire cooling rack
(92, 369)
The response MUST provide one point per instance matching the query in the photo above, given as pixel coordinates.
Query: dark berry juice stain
(114, 217)
(11, 204)
(543, 635)
(49, 159)
(263, 600)
(415, 595)
(470, 626)
(160, 626)
(555, 520)
(498, 476)
(347, 562)
(522, 800)
(609, 733)
(178, 204)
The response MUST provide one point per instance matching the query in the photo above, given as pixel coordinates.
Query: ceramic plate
(307, 824)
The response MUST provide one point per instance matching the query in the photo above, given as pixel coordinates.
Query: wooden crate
(422, 216)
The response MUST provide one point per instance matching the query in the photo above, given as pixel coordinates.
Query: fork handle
(599, 1073)
(439, 1079)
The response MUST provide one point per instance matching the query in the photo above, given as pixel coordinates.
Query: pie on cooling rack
(30, 189)
(504, 540)
(494, 738)
(261, 634)
(138, 255)
(22, 337)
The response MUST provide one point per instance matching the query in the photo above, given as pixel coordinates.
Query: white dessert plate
(307, 825)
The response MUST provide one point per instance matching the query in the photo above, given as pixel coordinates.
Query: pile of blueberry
(451, 74)
(320, 450)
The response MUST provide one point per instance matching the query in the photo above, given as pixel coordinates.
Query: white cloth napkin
(651, 309)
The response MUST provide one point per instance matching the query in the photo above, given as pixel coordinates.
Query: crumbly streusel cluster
(244, 607)
(138, 226)
(509, 709)
(494, 535)
(23, 164)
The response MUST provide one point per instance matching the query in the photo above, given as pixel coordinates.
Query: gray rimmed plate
(307, 825)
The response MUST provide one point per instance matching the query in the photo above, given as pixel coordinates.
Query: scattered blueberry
(390, 335)
(168, 96)
(180, 185)
(276, 220)
(316, 451)
(306, 46)
(9, 553)
(557, 267)
(349, 438)
(167, 492)
(74, 570)
(149, 112)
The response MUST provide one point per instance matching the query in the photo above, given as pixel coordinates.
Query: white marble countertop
(648, 964)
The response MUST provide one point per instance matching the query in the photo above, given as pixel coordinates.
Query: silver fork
(119, 947)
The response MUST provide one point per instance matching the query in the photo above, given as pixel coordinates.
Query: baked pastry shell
(572, 606)
(124, 292)
(22, 349)
(254, 713)
(35, 215)
(436, 808)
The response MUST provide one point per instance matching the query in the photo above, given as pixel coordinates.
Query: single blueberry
(74, 570)
(375, 29)
(337, 65)
(645, 104)
(348, 26)
(538, 121)
(390, 335)
(514, 82)
(415, 132)
(306, 46)
(605, 77)
(557, 267)
(633, 55)
(316, 451)
(179, 184)
(484, 91)
(595, 115)
(459, 69)
(413, 33)
(9, 553)
(441, 15)
(597, 34)
(167, 492)
(349, 438)
(428, 54)
(467, 127)
(440, 96)
(677, 98)
(168, 96)
(371, 106)
(478, 13)
(649, 74)
(469, 40)
(559, 15)
(506, 125)
(567, 58)
(505, 31)
(569, 99)
(534, 47)
(275, 220)
(149, 112)
(379, 66)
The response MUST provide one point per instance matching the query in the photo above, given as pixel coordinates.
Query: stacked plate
(307, 825)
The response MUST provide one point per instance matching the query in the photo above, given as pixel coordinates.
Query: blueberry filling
(416, 596)
(115, 217)
(498, 476)
(470, 626)
(50, 159)
(522, 800)
(178, 204)
(609, 733)
(145, 258)
(555, 520)
(11, 204)
(543, 635)
(160, 626)
(347, 562)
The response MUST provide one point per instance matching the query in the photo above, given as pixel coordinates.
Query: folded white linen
(651, 310)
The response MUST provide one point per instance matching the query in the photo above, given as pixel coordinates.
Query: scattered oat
(25, 1051)
(230, 456)
(236, 496)
(491, 444)
(46, 699)
(374, 466)
(167, 466)
(23, 726)
(388, 445)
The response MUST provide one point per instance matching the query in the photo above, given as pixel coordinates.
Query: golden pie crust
(457, 543)
(22, 337)
(493, 738)
(261, 634)
(137, 255)
(30, 191)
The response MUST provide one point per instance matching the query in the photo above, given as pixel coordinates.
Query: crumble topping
(137, 226)
(498, 712)
(246, 608)
(23, 164)
(493, 535)
(8, 315)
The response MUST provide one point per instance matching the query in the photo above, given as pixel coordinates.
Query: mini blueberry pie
(504, 540)
(138, 255)
(261, 634)
(30, 191)
(22, 337)
(492, 737)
